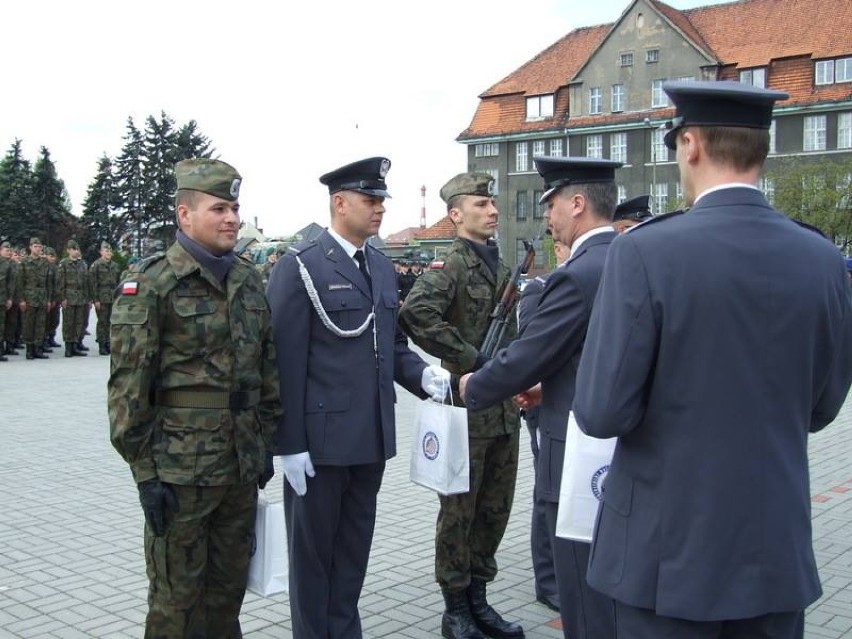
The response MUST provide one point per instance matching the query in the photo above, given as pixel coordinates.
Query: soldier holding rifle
(447, 313)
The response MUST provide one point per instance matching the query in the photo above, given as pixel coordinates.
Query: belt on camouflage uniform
(238, 400)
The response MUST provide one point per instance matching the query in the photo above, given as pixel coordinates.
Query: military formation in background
(37, 292)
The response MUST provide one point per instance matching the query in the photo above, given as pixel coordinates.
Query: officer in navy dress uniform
(631, 212)
(580, 196)
(334, 307)
(720, 338)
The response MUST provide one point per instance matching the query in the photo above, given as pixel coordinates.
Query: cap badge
(384, 168)
(235, 188)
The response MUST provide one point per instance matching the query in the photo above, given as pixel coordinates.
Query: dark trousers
(542, 553)
(330, 531)
(586, 613)
(638, 623)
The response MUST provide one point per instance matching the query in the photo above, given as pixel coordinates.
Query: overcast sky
(285, 92)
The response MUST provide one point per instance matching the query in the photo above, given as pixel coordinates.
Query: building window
(538, 209)
(487, 150)
(538, 148)
(831, 71)
(843, 70)
(658, 96)
(768, 187)
(679, 191)
(617, 98)
(844, 130)
(540, 107)
(595, 100)
(814, 133)
(754, 77)
(594, 146)
(556, 147)
(660, 200)
(652, 55)
(622, 193)
(495, 174)
(521, 205)
(824, 72)
(772, 138)
(626, 60)
(618, 147)
(522, 157)
(659, 150)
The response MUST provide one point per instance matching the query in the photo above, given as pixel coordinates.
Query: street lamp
(653, 131)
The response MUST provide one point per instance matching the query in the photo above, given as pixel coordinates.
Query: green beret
(72, 244)
(48, 250)
(468, 184)
(34, 240)
(208, 176)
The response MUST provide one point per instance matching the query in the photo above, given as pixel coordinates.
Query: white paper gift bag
(269, 568)
(584, 471)
(440, 453)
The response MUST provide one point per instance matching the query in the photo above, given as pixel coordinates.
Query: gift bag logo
(431, 446)
(598, 479)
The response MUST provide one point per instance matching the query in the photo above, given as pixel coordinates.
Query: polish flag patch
(130, 288)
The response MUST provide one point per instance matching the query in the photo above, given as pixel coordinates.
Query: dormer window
(833, 71)
(540, 107)
(755, 77)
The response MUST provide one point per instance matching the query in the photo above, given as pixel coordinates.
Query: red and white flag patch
(130, 288)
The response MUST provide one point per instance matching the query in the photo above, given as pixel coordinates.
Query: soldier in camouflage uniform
(52, 320)
(32, 286)
(447, 314)
(103, 278)
(193, 404)
(6, 291)
(12, 311)
(72, 284)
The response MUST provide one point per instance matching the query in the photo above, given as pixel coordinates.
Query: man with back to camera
(580, 197)
(719, 339)
(334, 308)
(193, 405)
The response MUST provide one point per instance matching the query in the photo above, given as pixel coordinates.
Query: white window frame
(814, 135)
(522, 201)
(538, 209)
(618, 98)
(540, 107)
(625, 59)
(594, 146)
(595, 101)
(823, 72)
(486, 150)
(755, 77)
(522, 157)
(772, 139)
(652, 56)
(843, 70)
(658, 96)
(622, 193)
(844, 130)
(538, 148)
(661, 198)
(767, 186)
(659, 150)
(556, 147)
(618, 147)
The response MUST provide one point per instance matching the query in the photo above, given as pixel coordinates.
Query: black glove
(267, 473)
(158, 503)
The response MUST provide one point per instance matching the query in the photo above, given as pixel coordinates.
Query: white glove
(296, 467)
(435, 381)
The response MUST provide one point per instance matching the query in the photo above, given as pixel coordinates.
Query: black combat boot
(69, 349)
(38, 352)
(44, 347)
(102, 348)
(75, 348)
(10, 349)
(30, 351)
(51, 341)
(109, 348)
(457, 622)
(3, 358)
(487, 619)
(81, 346)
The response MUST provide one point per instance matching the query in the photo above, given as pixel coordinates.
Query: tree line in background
(130, 197)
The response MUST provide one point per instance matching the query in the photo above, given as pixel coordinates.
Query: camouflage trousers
(34, 320)
(197, 571)
(103, 313)
(471, 525)
(72, 323)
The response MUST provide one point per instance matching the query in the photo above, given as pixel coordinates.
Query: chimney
(423, 209)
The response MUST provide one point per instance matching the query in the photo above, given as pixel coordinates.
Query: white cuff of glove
(296, 469)
(435, 382)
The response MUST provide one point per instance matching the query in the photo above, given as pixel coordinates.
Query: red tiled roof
(443, 229)
(403, 236)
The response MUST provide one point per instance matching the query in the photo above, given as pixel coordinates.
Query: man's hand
(296, 469)
(158, 503)
(268, 471)
(463, 386)
(529, 398)
(97, 306)
(23, 306)
(435, 381)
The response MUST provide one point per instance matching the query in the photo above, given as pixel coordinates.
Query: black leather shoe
(550, 601)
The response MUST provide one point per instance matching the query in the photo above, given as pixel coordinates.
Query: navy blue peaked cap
(558, 172)
(365, 176)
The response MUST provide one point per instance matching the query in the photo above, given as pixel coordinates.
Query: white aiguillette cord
(324, 318)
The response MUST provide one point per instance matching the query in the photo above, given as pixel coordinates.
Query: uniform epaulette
(301, 247)
(146, 263)
(656, 220)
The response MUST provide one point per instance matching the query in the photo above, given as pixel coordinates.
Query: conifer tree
(17, 223)
(52, 208)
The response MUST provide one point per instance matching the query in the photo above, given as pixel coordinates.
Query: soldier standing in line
(52, 318)
(7, 274)
(10, 337)
(32, 286)
(103, 278)
(73, 288)
(447, 314)
(193, 405)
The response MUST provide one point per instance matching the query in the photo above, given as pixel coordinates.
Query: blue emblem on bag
(431, 446)
(598, 481)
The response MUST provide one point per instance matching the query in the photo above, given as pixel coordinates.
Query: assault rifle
(506, 306)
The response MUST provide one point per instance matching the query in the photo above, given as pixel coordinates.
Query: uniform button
(320, 404)
(343, 303)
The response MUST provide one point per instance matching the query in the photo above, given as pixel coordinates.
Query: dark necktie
(362, 266)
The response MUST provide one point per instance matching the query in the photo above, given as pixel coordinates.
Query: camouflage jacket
(31, 285)
(447, 314)
(177, 332)
(103, 277)
(72, 282)
(7, 281)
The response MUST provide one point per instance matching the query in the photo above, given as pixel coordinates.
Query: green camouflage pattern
(12, 314)
(72, 282)
(471, 525)
(7, 293)
(104, 277)
(213, 177)
(32, 286)
(447, 314)
(195, 589)
(182, 330)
